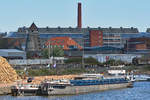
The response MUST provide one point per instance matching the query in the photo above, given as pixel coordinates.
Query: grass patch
(54, 71)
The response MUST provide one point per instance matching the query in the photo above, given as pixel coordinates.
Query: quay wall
(5, 90)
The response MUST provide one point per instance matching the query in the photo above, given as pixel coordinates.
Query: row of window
(112, 39)
(71, 46)
(61, 35)
(110, 34)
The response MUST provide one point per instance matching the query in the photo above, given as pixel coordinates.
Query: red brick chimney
(79, 16)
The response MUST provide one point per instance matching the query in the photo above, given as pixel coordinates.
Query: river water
(140, 91)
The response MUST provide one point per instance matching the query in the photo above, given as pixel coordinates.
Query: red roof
(65, 42)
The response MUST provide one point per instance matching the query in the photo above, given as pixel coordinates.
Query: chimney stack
(79, 16)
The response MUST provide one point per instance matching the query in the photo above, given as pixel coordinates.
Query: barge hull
(71, 90)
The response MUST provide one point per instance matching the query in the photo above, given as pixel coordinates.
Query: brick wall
(141, 47)
(96, 38)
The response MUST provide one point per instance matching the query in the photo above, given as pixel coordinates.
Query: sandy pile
(7, 73)
(39, 79)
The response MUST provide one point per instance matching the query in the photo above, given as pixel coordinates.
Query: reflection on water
(140, 91)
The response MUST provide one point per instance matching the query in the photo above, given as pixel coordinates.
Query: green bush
(113, 62)
(73, 60)
(55, 51)
(89, 61)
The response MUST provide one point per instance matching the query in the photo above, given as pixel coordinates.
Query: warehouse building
(12, 54)
(122, 57)
(138, 44)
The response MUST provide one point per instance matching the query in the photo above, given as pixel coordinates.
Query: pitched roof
(63, 41)
(33, 27)
(77, 30)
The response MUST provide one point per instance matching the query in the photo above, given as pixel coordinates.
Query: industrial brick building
(138, 44)
(34, 38)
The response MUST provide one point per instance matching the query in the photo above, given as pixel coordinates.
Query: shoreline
(5, 88)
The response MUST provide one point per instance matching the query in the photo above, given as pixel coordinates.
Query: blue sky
(63, 13)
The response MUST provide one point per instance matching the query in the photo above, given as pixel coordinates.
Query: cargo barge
(82, 84)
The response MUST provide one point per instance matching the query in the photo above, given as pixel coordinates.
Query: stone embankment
(6, 88)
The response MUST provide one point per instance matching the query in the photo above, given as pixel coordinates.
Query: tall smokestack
(79, 16)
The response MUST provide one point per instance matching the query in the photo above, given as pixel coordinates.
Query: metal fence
(123, 57)
(36, 61)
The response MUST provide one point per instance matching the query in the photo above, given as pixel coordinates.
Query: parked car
(30, 79)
